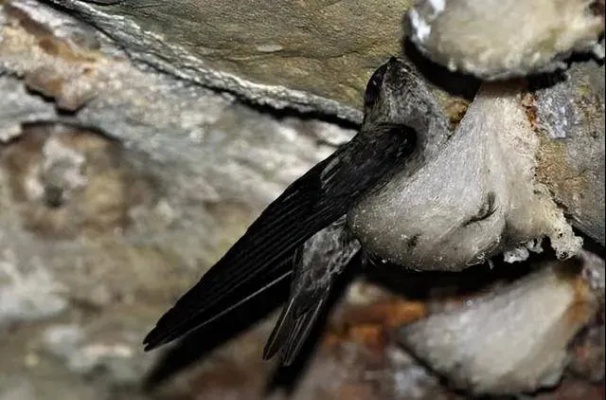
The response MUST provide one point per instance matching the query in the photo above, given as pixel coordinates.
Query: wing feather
(264, 253)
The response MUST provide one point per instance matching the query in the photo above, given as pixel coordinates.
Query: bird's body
(318, 263)
(303, 235)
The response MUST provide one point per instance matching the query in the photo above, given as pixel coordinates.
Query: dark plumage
(317, 264)
(303, 235)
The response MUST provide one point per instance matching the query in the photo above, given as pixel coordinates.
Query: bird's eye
(373, 88)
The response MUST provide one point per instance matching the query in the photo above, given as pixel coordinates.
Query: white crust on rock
(514, 339)
(496, 39)
(476, 198)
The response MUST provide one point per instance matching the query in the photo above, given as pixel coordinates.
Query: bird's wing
(258, 259)
(321, 260)
(261, 257)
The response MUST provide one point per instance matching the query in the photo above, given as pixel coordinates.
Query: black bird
(317, 265)
(303, 234)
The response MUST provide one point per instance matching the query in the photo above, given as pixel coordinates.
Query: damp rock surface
(123, 177)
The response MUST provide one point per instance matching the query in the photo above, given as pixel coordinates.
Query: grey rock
(20, 390)
(510, 341)
(594, 274)
(413, 381)
(124, 203)
(588, 358)
(30, 108)
(36, 387)
(84, 354)
(62, 340)
(308, 56)
(570, 119)
(28, 289)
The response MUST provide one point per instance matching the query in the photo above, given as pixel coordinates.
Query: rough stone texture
(103, 227)
(120, 185)
(514, 339)
(497, 39)
(570, 118)
(588, 351)
(353, 361)
(123, 204)
(314, 56)
(29, 292)
(475, 199)
(318, 64)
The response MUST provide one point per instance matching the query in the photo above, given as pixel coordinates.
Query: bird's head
(396, 94)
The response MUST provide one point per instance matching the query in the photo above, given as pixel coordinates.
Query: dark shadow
(454, 83)
(201, 342)
(289, 112)
(198, 344)
(549, 79)
(591, 244)
(411, 284)
(466, 86)
(545, 80)
(288, 377)
(440, 284)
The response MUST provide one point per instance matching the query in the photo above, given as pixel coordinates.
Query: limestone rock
(110, 210)
(122, 179)
(496, 39)
(28, 289)
(512, 340)
(570, 120)
(478, 197)
(313, 56)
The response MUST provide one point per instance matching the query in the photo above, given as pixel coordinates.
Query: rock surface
(477, 198)
(570, 120)
(122, 179)
(109, 213)
(514, 340)
(309, 55)
(505, 38)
